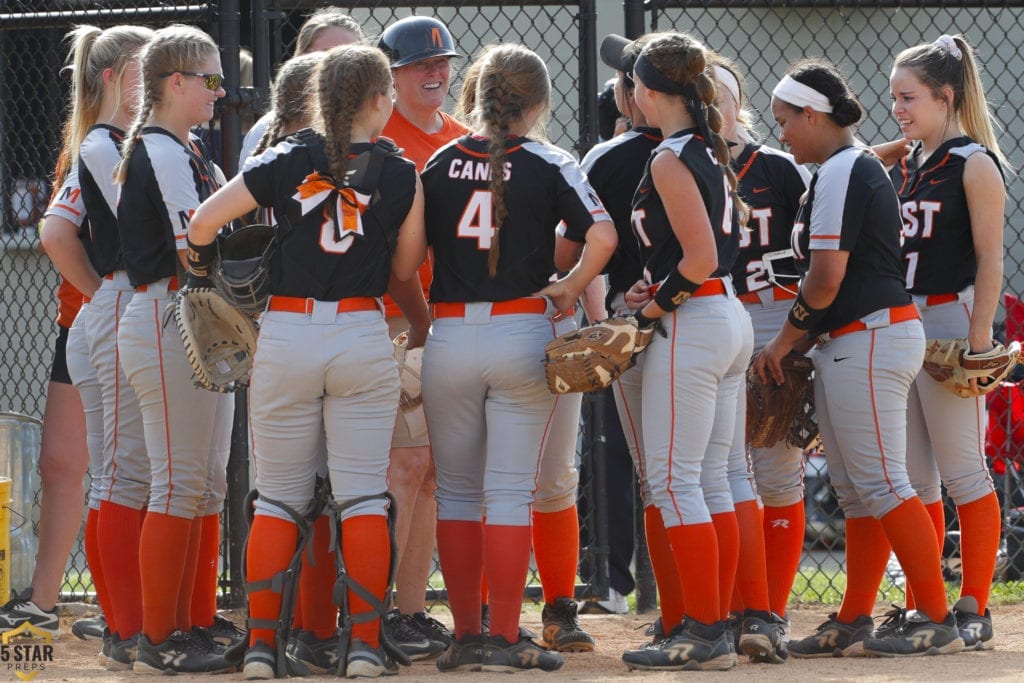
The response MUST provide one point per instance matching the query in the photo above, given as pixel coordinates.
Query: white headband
(796, 93)
(727, 80)
(946, 42)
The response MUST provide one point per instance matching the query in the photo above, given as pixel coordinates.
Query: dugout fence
(762, 36)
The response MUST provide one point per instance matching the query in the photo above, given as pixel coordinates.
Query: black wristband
(674, 290)
(643, 322)
(802, 316)
(200, 257)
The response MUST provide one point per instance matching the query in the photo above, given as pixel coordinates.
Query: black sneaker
(891, 621)
(104, 654)
(918, 636)
(89, 628)
(834, 639)
(734, 622)
(20, 609)
(180, 653)
(368, 662)
(501, 656)
(402, 631)
(485, 619)
(562, 629)
(465, 654)
(761, 637)
(308, 655)
(260, 662)
(225, 632)
(691, 646)
(121, 654)
(431, 627)
(975, 629)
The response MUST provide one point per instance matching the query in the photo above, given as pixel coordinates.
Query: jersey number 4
(477, 221)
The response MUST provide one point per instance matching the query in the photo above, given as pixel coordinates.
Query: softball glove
(783, 411)
(951, 363)
(593, 357)
(220, 340)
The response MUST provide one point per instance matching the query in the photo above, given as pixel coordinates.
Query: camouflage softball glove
(777, 412)
(593, 357)
(951, 363)
(220, 340)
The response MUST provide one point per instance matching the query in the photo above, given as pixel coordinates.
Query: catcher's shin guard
(286, 582)
(345, 582)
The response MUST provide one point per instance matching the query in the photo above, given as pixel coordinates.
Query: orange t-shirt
(418, 146)
(69, 302)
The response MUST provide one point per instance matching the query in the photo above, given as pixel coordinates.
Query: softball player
(771, 184)
(420, 49)
(165, 174)
(488, 301)
(870, 346)
(952, 196)
(325, 28)
(697, 368)
(326, 279)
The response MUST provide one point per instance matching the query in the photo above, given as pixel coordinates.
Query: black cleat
(691, 646)
(834, 639)
(501, 656)
(762, 636)
(464, 654)
(308, 655)
(975, 629)
(180, 653)
(918, 636)
(401, 630)
(562, 629)
(431, 627)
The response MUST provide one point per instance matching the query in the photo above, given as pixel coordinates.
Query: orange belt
(529, 304)
(171, 286)
(897, 314)
(711, 287)
(779, 293)
(297, 304)
(938, 299)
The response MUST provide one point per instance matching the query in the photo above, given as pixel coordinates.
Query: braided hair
(292, 100)
(173, 48)
(513, 82)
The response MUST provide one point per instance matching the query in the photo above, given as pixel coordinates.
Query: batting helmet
(414, 39)
(243, 270)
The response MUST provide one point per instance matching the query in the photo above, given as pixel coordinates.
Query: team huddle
(728, 255)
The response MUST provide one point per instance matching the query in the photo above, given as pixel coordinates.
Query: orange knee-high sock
(751, 567)
(94, 558)
(204, 588)
(918, 555)
(736, 605)
(784, 534)
(937, 513)
(980, 527)
(163, 551)
(317, 580)
(270, 548)
(695, 549)
(118, 536)
(188, 577)
(727, 531)
(484, 590)
(366, 548)
(670, 587)
(556, 548)
(506, 562)
(867, 553)
(460, 548)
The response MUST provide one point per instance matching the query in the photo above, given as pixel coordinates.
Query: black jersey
(771, 183)
(545, 191)
(938, 245)
(659, 248)
(338, 242)
(852, 206)
(614, 169)
(165, 184)
(67, 204)
(99, 153)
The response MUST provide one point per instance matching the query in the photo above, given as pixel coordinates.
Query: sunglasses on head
(210, 81)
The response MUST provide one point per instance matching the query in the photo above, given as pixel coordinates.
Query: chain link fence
(863, 38)
(764, 37)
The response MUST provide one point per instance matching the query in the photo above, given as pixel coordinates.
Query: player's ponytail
(292, 100)
(466, 102)
(686, 64)
(513, 82)
(950, 62)
(92, 52)
(173, 48)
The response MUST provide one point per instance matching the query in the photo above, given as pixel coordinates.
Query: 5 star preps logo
(26, 651)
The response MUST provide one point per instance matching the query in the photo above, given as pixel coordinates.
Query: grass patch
(1007, 593)
(826, 587)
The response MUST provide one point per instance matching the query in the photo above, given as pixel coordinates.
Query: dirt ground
(75, 660)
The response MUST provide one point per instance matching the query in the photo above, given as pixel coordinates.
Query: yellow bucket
(5, 536)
